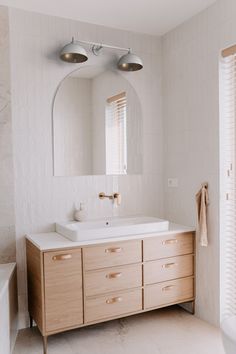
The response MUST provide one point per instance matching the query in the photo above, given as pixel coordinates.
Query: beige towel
(202, 200)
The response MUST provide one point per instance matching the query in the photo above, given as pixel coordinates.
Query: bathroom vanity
(75, 284)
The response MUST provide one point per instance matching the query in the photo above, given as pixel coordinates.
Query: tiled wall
(72, 128)
(191, 55)
(7, 228)
(42, 199)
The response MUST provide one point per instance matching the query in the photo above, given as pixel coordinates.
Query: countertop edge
(52, 240)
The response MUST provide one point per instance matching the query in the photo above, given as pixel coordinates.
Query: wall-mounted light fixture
(130, 62)
(74, 52)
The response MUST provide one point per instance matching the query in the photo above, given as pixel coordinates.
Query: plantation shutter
(228, 183)
(116, 140)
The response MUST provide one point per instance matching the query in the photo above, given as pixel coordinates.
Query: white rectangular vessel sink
(111, 227)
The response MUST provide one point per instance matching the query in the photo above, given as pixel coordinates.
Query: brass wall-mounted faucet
(116, 197)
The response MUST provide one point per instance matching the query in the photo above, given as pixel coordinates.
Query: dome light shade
(73, 53)
(130, 62)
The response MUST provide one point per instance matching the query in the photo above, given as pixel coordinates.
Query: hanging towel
(202, 200)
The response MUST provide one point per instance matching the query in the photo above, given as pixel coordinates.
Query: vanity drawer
(112, 254)
(168, 268)
(113, 279)
(63, 289)
(174, 291)
(110, 306)
(168, 246)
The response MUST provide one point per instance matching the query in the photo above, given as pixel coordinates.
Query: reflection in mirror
(97, 125)
(116, 138)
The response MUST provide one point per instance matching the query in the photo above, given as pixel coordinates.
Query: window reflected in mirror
(116, 135)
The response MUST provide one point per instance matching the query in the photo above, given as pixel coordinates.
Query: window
(228, 182)
(116, 135)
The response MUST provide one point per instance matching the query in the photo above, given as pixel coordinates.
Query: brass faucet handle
(117, 198)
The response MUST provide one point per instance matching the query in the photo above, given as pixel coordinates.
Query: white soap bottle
(80, 214)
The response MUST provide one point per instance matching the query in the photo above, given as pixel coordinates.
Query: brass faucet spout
(116, 197)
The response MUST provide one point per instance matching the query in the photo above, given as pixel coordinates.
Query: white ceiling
(148, 16)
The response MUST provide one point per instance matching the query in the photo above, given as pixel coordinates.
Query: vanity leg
(189, 307)
(193, 307)
(31, 321)
(45, 344)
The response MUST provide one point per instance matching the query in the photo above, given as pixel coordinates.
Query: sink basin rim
(117, 227)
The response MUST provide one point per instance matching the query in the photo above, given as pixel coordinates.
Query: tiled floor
(166, 331)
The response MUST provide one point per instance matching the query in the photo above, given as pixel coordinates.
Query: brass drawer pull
(169, 242)
(113, 250)
(113, 275)
(168, 288)
(169, 265)
(62, 257)
(113, 300)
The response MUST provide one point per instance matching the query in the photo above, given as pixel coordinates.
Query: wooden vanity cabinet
(63, 289)
(168, 246)
(113, 279)
(70, 288)
(55, 294)
(169, 267)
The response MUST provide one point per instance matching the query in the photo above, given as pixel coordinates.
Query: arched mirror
(97, 125)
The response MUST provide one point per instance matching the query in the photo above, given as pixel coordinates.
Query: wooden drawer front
(113, 279)
(168, 292)
(110, 306)
(168, 268)
(113, 254)
(63, 289)
(167, 246)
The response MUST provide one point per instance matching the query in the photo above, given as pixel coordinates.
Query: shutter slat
(228, 185)
(116, 144)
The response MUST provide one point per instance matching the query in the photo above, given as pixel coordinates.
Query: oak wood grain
(112, 279)
(112, 305)
(35, 282)
(63, 289)
(112, 254)
(173, 291)
(168, 268)
(167, 246)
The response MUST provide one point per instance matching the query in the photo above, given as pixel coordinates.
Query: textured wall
(42, 199)
(191, 119)
(191, 56)
(72, 128)
(7, 228)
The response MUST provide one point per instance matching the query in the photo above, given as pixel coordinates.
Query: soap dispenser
(80, 214)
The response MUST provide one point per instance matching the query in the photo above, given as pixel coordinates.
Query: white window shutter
(228, 185)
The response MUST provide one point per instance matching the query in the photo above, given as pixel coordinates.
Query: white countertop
(5, 275)
(53, 240)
